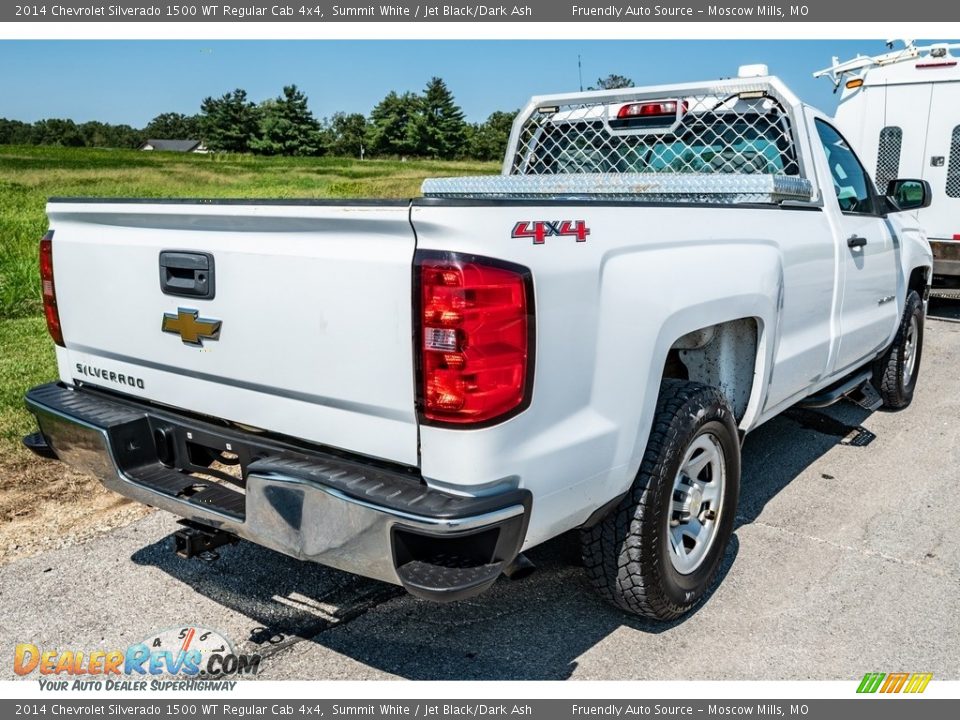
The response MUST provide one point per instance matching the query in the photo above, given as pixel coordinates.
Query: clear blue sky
(132, 81)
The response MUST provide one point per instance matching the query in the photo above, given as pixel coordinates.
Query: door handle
(855, 241)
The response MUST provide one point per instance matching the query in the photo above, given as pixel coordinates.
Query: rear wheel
(657, 553)
(895, 373)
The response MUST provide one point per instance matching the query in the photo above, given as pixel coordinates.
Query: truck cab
(901, 112)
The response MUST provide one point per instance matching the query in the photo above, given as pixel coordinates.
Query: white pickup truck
(419, 391)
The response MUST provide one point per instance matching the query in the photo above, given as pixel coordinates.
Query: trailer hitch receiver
(195, 540)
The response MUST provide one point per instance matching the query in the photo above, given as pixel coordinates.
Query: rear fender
(651, 300)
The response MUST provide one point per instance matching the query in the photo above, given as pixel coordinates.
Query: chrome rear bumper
(370, 519)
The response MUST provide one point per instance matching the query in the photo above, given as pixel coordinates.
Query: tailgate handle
(187, 274)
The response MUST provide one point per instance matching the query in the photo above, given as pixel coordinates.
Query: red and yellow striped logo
(894, 682)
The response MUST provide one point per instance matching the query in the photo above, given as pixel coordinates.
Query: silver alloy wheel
(910, 350)
(697, 502)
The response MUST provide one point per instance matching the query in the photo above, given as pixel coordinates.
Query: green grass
(27, 360)
(30, 175)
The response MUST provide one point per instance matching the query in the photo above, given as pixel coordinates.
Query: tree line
(427, 124)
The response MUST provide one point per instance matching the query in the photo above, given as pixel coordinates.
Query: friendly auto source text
(631, 710)
(616, 11)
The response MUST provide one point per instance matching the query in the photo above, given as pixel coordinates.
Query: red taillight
(649, 109)
(476, 338)
(48, 289)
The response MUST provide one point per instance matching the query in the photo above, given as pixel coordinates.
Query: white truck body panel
(316, 340)
(617, 296)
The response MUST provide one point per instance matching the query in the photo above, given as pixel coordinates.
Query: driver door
(868, 256)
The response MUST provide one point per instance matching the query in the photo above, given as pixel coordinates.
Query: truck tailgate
(313, 302)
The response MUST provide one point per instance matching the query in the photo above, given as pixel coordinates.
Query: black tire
(890, 374)
(627, 554)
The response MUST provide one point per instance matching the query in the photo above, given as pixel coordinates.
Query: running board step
(869, 398)
(840, 390)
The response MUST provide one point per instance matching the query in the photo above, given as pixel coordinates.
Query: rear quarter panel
(607, 311)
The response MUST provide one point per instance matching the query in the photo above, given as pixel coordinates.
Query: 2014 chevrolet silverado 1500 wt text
(418, 391)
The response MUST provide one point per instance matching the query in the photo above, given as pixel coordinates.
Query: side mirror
(903, 194)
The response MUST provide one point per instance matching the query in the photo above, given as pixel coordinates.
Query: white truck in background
(419, 391)
(901, 113)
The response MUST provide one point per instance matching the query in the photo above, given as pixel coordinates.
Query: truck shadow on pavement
(530, 629)
(777, 452)
(537, 628)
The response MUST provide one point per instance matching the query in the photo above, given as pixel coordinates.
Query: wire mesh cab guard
(723, 141)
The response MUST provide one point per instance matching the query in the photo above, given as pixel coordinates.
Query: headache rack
(728, 141)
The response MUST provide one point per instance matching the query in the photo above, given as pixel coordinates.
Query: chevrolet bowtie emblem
(192, 330)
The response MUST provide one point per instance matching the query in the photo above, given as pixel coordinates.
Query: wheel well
(919, 278)
(722, 355)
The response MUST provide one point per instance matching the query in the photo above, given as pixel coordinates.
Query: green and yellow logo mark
(894, 682)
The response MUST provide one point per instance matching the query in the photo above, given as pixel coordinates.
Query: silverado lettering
(110, 376)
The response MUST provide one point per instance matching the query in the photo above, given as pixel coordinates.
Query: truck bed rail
(650, 187)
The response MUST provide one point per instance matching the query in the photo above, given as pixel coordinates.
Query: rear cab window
(704, 142)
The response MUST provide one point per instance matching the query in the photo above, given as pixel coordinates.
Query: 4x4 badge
(193, 330)
(540, 230)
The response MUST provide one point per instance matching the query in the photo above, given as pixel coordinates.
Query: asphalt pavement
(845, 559)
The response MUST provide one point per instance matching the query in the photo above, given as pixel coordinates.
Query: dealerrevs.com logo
(185, 653)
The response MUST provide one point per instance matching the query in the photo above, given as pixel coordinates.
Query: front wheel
(657, 553)
(895, 373)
